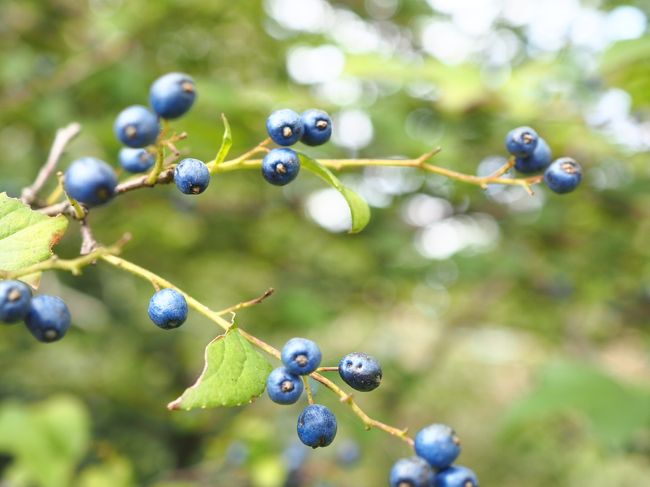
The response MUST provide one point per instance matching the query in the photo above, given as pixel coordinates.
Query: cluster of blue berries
(286, 127)
(46, 317)
(533, 154)
(300, 357)
(436, 447)
(93, 182)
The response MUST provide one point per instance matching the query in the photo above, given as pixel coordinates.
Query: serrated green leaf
(226, 143)
(234, 374)
(359, 209)
(26, 236)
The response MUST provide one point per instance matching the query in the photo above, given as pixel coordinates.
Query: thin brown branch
(63, 137)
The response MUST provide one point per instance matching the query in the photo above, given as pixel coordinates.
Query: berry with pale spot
(15, 297)
(301, 356)
(280, 166)
(136, 126)
(284, 127)
(191, 176)
(283, 387)
(48, 318)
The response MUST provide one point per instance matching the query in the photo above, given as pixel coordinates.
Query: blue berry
(521, 142)
(48, 318)
(191, 176)
(172, 95)
(456, 476)
(280, 166)
(15, 297)
(563, 176)
(284, 387)
(438, 445)
(317, 127)
(284, 127)
(168, 309)
(348, 453)
(295, 455)
(90, 181)
(136, 160)
(360, 371)
(316, 426)
(411, 472)
(136, 126)
(301, 356)
(537, 161)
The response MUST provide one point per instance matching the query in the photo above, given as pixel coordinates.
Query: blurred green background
(521, 321)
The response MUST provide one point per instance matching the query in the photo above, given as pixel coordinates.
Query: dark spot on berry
(50, 335)
(359, 365)
(286, 386)
(403, 483)
(279, 168)
(14, 295)
(130, 131)
(187, 86)
(301, 360)
(322, 124)
(287, 132)
(103, 193)
(195, 189)
(569, 167)
(527, 138)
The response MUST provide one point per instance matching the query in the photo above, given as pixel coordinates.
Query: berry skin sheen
(48, 318)
(316, 426)
(172, 95)
(191, 176)
(284, 387)
(301, 356)
(456, 476)
(284, 127)
(317, 127)
(136, 126)
(360, 371)
(537, 161)
(563, 176)
(411, 472)
(438, 445)
(136, 160)
(15, 297)
(90, 181)
(280, 166)
(521, 142)
(168, 309)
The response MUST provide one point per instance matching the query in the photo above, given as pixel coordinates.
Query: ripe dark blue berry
(521, 142)
(172, 95)
(191, 176)
(280, 166)
(537, 161)
(301, 356)
(48, 318)
(456, 476)
(136, 160)
(316, 426)
(90, 181)
(438, 445)
(360, 371)
(136, 126)
(563, 176)
(15, 297)
(168, 309)
(284, 127)
(284, 387)
(411, 472)
(317, 127)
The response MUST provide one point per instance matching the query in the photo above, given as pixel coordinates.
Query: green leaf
(234, 373)
(226, 143)
(26, 236)
(359, 209)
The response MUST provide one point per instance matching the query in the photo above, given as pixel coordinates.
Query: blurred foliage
(535, 347)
